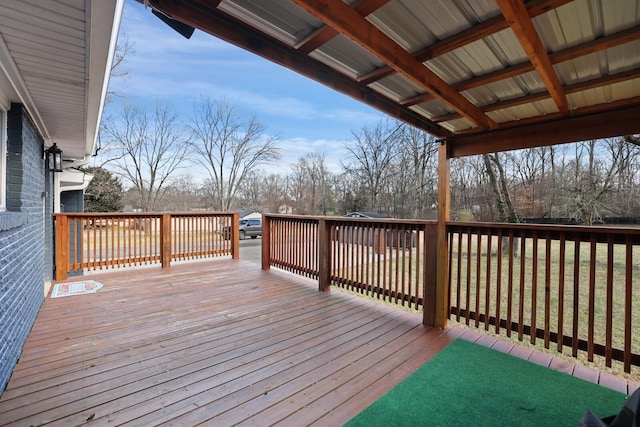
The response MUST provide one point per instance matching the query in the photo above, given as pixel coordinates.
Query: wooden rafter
(325, 33)
(616, 39)
(470, 35)
(348, 22)
(522, 26)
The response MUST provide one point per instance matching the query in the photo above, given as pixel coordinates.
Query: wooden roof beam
(347, 21)
(522, 26)
(470, 35)
(591, 122)
(325, 33)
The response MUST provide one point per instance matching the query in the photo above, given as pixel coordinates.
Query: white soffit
(56, 56)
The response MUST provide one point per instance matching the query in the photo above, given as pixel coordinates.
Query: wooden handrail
(95, 241)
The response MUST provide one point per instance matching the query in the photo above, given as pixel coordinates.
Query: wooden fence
(385, 259)
(97, 241)
(576, 287)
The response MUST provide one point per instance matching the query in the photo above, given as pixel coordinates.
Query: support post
(324, 255)
(266, 242)
(235, 235)
(442, 267)
(165, 247)
(430, 281)
(62, 246)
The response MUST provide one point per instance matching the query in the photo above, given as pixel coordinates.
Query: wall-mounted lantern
(53, 159)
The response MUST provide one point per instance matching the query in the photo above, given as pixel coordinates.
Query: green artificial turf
(471, 385)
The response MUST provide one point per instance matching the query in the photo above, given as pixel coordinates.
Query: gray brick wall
(23, 238)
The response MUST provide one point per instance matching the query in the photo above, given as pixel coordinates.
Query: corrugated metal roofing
(468, 44)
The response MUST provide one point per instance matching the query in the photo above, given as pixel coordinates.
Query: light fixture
(53, 159)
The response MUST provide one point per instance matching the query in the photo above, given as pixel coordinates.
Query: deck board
(223, 342)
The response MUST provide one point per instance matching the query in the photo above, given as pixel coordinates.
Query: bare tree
(500, 187)
(274, 194)
(418, 162)
(125, 48)
(312, 184)
(182, 195)
(371, 155)
(229, 146)
(592, 188)
(148, 149)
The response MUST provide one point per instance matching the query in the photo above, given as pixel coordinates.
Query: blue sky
(166, 67)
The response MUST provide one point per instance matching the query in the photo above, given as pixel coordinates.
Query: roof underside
(487, 75)
(55, 58)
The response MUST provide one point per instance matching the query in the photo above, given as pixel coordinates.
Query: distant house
(370, 215)
(54, 67)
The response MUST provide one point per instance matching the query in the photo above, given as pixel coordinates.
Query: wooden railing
(90, 241)
(577, 287)
(388, 259)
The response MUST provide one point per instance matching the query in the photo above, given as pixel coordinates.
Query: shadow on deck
(225, 343)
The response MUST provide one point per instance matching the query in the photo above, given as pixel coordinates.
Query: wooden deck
(217, 342)
(222, 343)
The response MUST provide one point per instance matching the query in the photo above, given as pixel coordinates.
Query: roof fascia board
(103, 23)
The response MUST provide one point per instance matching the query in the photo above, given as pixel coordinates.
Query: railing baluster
(512, 244)
(499, 283)
(459, 273)
(534, 289)
(523, 259)
(609, 304)
(628, 303)
(547, 290)
(576, 297)
(561, 279)
(478, 276)
(487, 297)
(592, 299)
(468, 293)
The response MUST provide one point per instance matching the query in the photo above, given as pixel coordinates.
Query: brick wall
(25, 232)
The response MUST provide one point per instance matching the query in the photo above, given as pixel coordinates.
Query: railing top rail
(335, 219)
(600, 234)
(548, 227)
(138, 214)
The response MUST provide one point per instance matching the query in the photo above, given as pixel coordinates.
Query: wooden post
(324, 255)
(235, 235)
(62, 246)
(430, 279)
(442, 268)
(266, 242)
(165, 247)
